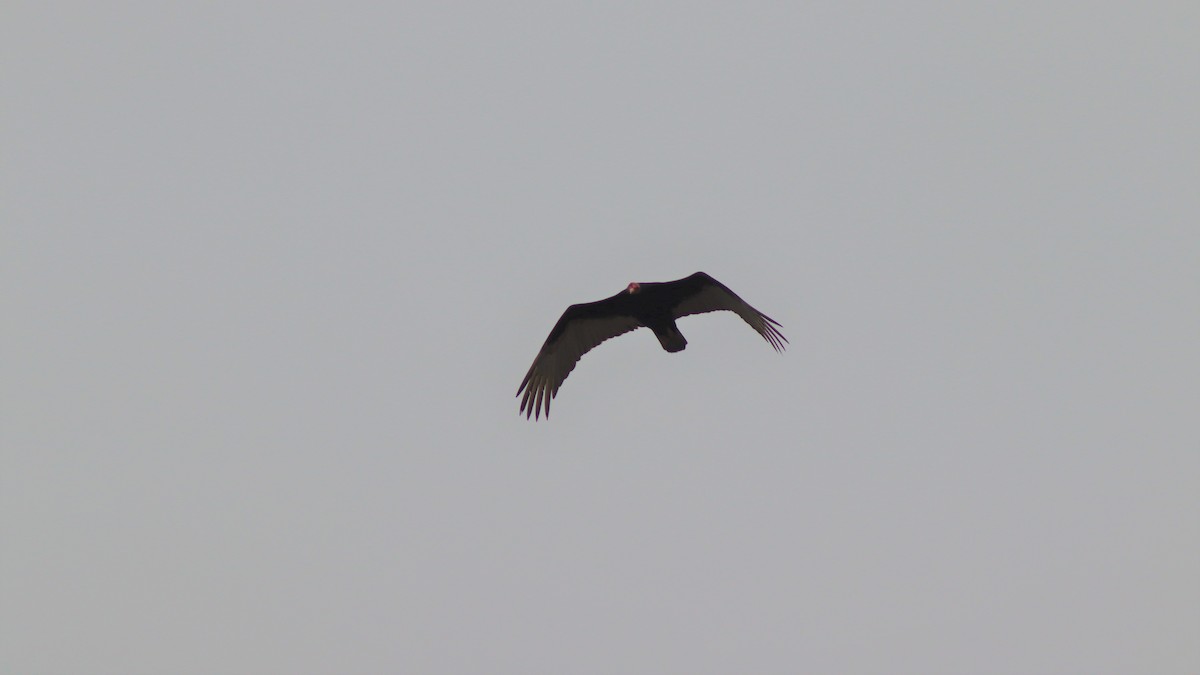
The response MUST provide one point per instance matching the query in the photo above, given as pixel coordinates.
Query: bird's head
(633, 287)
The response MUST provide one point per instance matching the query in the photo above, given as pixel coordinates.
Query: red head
(633, 287)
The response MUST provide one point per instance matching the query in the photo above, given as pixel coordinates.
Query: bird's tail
(671, 339)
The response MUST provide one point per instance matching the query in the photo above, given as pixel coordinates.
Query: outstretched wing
(701, 293)
(577, 332)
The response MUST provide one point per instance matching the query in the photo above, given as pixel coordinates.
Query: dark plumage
(653, 305)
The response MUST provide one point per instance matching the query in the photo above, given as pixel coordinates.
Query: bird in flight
(653, 305)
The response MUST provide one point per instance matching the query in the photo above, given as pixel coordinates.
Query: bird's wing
(580, 329)
(701, 293)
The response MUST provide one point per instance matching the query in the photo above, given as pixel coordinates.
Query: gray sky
(272, 274)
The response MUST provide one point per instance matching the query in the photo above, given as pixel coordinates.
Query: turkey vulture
(654, 305)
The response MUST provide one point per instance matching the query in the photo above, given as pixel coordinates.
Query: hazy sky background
(272, 273)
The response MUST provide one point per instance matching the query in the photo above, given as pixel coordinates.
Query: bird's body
(653, 305)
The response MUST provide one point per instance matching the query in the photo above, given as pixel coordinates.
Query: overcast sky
(271, 275)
